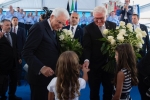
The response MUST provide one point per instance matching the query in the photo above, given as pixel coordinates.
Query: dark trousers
(96, 77)
(38, 92)
(12, 82)
(142, 87)
(19, 71)
(12, 77)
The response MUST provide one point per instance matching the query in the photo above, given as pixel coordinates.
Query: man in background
(90, 18)
(126, 12)
(83, 20)
(146, 46)
(74, 27)
(8, 62)
(21, 37)
(113, 18)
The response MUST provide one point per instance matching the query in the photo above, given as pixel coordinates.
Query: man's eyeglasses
(96, 19)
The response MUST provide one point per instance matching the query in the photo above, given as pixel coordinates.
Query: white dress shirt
(74, 29)
(16, 29)
(136, 25)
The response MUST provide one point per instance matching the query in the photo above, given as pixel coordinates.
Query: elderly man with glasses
(93, 57)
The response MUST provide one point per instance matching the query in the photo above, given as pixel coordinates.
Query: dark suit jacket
(144, 65)
(8, 54)
(40, 49)
(146, 45)
(129, 14)
(21, 37)
(92, 45)
(78, 33)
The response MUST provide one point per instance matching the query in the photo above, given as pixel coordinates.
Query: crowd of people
(52, 75)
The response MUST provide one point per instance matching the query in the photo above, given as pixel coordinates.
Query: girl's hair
(127, 59)
(67, 72)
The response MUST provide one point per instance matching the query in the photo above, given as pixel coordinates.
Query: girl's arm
(51, 96)
(85, 75)
(119, 86)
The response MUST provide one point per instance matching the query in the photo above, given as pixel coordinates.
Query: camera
(47, 13)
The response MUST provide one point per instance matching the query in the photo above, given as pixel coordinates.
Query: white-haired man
(41, 52)
(93, 57)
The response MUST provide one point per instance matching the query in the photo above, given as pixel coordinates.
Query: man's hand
(47, 71)
(20, 61)
(1, 34)
(86, 64)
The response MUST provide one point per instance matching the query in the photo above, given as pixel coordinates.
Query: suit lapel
(50, 32)
(76, 32)
(5, 39)
(142, 28)
(18, 30)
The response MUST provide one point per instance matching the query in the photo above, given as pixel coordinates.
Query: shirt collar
(48, 20)
(15, 26)
(74, 27)
(137, 24)
(102, 25)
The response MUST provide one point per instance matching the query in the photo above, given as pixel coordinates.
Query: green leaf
(103, 39)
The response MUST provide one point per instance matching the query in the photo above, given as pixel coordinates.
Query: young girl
(67, 84)
(126, 73)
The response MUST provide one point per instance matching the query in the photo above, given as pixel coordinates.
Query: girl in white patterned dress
(67, 84)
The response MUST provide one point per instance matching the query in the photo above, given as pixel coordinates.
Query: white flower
(122, 23)
(139, 35)
(105, 31)
(137, 30)
(110, 38)
(120, 38)
(139, 45)
(144, 34)
(122, 32)
(129, 25)
(71, 36)
(61, 37)
(113, 42)
(117, 27)
(131, 29)
(69, 31)
(65, 30)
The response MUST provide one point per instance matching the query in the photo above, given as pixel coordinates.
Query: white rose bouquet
(122, 34)
(67, 42)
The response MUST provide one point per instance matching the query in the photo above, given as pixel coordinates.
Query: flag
(68, 7)
(72, 6)
(75, 6)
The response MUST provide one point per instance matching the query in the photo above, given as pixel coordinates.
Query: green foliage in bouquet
(122, 34)
(67, 42)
